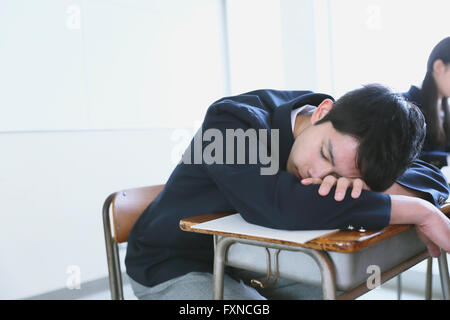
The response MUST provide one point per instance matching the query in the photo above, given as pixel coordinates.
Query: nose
(319, 171)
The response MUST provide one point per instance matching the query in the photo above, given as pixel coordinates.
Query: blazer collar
(281, 120)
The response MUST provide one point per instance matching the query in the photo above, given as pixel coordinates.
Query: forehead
(345, 154)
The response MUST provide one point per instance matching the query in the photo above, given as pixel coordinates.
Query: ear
(324, 107)
(438, 66)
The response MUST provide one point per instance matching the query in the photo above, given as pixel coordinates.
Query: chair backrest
(127, 206)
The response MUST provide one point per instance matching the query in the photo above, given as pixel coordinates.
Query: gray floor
(413, 283)
(386, 292)
(377, 294)
(105, 295)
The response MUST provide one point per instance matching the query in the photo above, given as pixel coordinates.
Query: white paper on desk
(236, 224)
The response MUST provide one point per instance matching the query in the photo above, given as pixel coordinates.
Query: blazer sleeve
(426, 178)
(280, 200)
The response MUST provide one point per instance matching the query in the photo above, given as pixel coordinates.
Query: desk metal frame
(325, 264)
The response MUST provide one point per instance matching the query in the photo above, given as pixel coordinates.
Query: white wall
(103, 95)
(108, 64)
(384, 41)
(53, 186)
(95, 96)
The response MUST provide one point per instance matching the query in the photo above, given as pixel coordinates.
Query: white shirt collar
(305, 110)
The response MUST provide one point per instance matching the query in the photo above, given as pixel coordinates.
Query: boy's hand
(432, 226)
(341, 184)
(434, 231)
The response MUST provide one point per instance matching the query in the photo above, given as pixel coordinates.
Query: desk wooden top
(339, 241)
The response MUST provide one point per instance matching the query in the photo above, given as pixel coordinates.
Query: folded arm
(415, 199)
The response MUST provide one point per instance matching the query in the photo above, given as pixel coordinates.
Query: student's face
(320, 150)
(442, 77)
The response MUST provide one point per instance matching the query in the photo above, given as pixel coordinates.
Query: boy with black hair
(332, 165)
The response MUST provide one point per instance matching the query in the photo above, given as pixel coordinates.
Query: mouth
(297, 174)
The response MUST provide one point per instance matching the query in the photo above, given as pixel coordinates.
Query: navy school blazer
(158, 250)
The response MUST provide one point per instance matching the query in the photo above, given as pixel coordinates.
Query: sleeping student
(333, 164)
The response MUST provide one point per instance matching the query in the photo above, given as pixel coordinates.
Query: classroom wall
(102, 95)
(53, 186)
(97, 96)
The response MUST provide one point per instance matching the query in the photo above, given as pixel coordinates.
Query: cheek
(293, 161)
(446, 85)
(447, 89)
(296, 152)
(298, 160)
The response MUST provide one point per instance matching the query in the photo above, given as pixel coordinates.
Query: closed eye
(322, 154)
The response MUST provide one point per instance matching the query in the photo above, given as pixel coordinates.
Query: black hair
(437, 134)
(390, 131)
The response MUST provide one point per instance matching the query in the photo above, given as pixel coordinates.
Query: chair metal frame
(112, 253)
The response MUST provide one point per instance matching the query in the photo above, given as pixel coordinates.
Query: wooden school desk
(339, 262)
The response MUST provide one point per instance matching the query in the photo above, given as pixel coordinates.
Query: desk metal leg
(429, 279)
(326, 270)
(443, 274)
(320, 257)
(219, 265)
